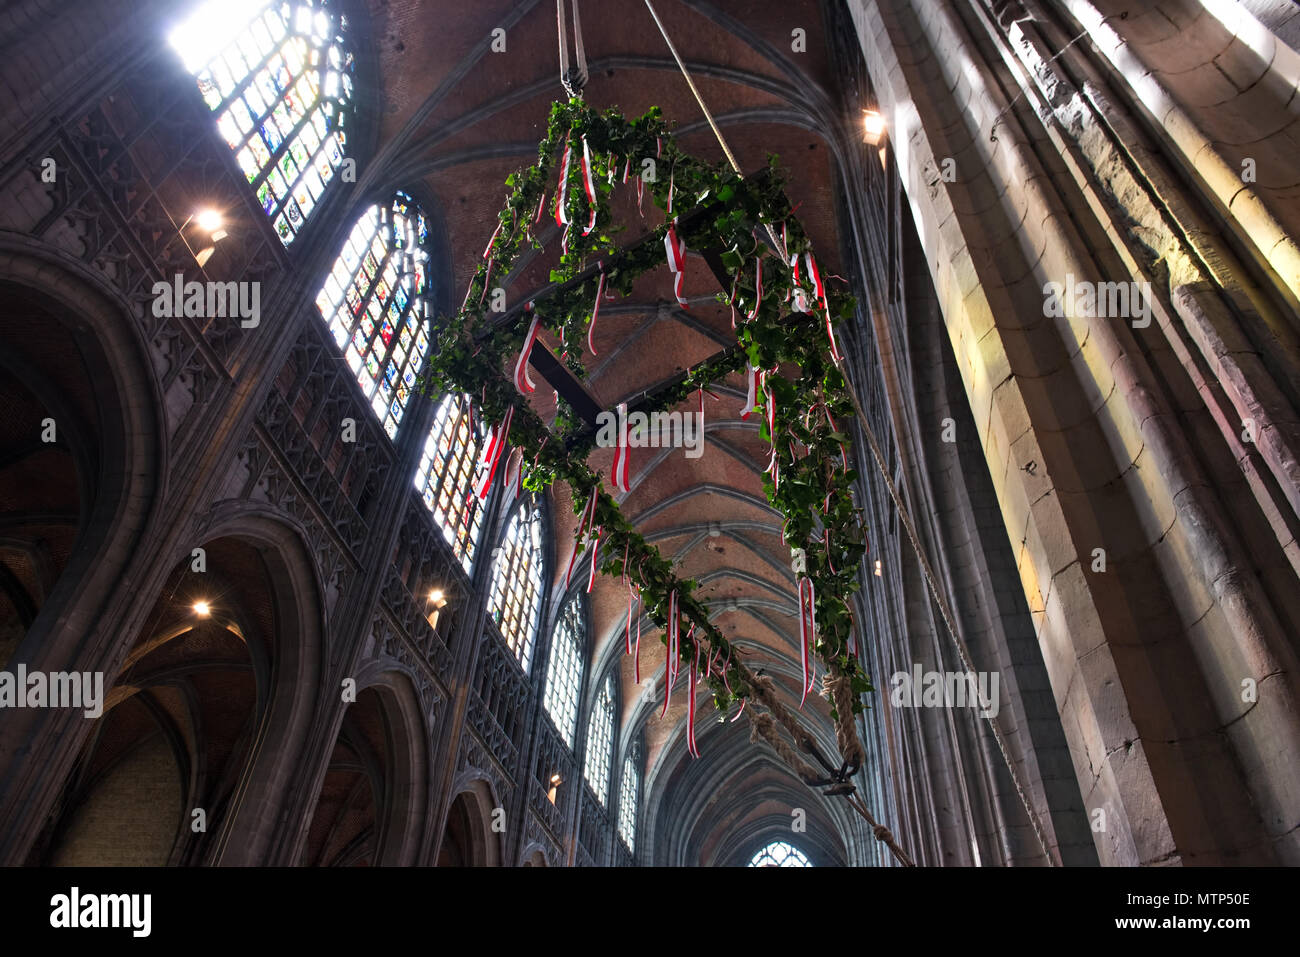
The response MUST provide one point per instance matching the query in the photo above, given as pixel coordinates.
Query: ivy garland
(815, 480)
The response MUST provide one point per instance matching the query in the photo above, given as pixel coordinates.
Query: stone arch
(373, 798)
(288, 685)
(222, 672)
(534, 856)
(86, 358)
(468, 839)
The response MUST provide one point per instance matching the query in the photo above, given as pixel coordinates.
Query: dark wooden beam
(564, 382)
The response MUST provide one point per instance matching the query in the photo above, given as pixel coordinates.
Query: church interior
(650, 433)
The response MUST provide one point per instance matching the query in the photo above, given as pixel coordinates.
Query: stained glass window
(779, 854)
(515, 599)
(628, 792)
(600, 741)
(373, 300)
(278, 75)
(446, 473)
(564, 672)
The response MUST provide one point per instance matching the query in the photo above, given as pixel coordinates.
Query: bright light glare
(211, 28)
(209, 220)
(873, 126)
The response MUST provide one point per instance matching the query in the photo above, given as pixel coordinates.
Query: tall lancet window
(515, 600)
(600, 741)
(564, 672)
(374, 302)
(278, 75)
(446, 474)
(629, 790)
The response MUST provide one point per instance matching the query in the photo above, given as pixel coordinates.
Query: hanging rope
(763, 727)
(713, 125)
(573, 77)
(944, 611)
(840, 691)
(931, 581)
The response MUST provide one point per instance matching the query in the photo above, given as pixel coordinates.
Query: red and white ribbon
(807, 634)
(515, 470)
(595, 551)
(588, 514)
(636, 675)
(821, 294)
(676, 250)
(691, 746)
(590, 186)
(800, 295)
(523, 381)
(758, 287)
(595, 310)
(670, 665)
(731, 300)
(492, 456)
(674, 634)
(621, 452)
(754, 378)
(627, 638)
(562, 190)
(769, 411)
(495, 233)
(844, 456)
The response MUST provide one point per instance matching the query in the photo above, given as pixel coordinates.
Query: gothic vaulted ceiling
(457, 118)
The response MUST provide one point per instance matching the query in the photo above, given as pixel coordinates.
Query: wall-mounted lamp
(879, 573)
(555, 786)
(211, 222)
(208, 221)
(437, 601)
(873, 127)
(202, 609)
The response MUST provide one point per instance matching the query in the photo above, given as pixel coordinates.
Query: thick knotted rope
(763, 691)
(840, 691)
(762, 727)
